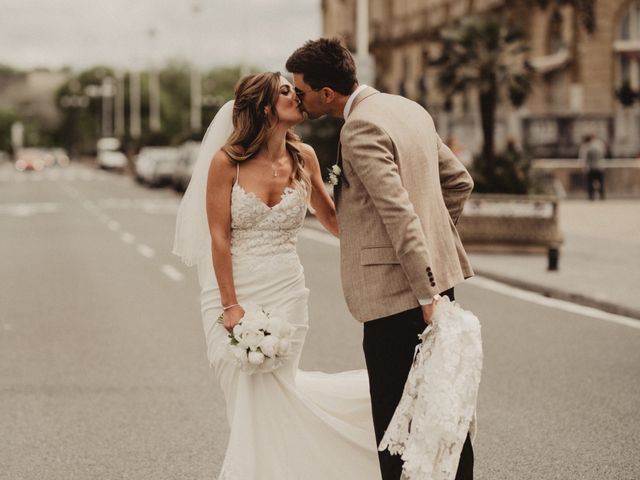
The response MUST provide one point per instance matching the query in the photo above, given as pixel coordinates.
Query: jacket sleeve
(369, 151)
(455, 181)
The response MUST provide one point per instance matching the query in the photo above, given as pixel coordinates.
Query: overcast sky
(82, 33)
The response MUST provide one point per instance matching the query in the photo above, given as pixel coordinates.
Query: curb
(558, 294)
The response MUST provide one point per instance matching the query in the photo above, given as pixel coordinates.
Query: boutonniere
(334, 174)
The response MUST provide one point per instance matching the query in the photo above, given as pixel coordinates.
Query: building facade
(578, 70)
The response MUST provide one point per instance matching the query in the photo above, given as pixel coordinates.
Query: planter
(512, 224)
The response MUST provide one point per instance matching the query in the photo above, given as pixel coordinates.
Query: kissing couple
(399, 192)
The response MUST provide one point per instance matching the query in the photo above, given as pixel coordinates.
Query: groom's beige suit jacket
(402, 193)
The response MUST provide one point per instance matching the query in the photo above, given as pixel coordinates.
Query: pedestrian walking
(591, 156)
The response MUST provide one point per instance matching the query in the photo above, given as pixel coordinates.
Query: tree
(584, 10)
(485, 55)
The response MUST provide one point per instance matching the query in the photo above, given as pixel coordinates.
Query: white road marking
(28, 209)
(168, 206)
(570, 307)
(113, 226)
(127, 237)
(146, 251)
(326, 238)
(172, 273)
(487, 284)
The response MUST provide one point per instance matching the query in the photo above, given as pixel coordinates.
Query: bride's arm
(219, 184)
(320, 198)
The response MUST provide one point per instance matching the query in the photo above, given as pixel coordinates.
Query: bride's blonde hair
(252, 127)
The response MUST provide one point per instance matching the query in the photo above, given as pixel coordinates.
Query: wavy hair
(252, 127)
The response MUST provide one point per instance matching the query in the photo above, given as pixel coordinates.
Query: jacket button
(433, 284)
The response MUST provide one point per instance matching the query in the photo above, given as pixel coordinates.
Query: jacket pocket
(382, 255)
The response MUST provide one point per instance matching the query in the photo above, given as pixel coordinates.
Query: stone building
(578, 71)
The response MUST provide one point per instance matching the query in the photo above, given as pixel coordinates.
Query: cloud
(117, 32)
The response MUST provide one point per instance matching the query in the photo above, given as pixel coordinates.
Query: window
(627, 47)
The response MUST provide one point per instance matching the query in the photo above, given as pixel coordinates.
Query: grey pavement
(599, 260)
(103, 373)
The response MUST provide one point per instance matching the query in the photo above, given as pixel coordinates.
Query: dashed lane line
(172, 273)
(145, 250)
(126, 237)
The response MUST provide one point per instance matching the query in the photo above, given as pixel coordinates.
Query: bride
(238, 222)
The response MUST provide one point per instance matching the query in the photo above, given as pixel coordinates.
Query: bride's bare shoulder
(309, 155)
(222, 165)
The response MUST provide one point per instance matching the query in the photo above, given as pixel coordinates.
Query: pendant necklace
(274, 168)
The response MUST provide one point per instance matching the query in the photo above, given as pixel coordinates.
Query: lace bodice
(260, 230)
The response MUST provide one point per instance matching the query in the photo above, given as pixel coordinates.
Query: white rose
(238, 329)
(252, 338)
(274, 327)
(336, 170)
(269, 345)
(283, 346)
(256, 358)
(268, 365)
(240, 354)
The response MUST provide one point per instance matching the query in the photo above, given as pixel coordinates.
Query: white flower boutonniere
(334, 174)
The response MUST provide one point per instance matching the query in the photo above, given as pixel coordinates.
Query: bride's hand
(232, 317)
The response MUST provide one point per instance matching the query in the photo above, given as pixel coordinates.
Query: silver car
(155, 165)
(184, 167)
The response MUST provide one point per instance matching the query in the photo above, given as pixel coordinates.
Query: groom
(400, 192)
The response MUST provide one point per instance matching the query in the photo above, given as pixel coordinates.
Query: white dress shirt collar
(347, 107)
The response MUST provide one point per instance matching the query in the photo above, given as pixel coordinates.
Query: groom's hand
(427, 310)
(232, 317)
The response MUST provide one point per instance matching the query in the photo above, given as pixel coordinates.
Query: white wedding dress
(287, 424)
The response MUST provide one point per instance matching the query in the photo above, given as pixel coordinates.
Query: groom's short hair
(325, 63)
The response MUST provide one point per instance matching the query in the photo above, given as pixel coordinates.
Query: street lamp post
(154, 88)
(119, 106)
(107, 93)
(364, 60)
(135, 124)
(196, 83)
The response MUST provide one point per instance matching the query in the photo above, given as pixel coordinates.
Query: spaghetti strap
(237, 173)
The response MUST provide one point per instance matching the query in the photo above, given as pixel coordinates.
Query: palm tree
(584, 10)
(486, 55)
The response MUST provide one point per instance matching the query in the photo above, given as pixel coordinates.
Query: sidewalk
(599, 260)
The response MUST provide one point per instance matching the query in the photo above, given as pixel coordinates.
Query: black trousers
(389, 344)
(595, 182)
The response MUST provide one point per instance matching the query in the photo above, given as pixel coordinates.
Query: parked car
(30, 159)
(60, 157)
(155, 165)
(187, 157)
(109, 156)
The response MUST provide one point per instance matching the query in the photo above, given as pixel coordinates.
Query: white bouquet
(260, 342)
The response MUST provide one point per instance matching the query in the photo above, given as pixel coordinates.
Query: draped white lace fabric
(438, 404)
(260, 230)
(287, 424)
(192, 241)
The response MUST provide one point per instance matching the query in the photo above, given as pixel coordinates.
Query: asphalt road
(103, 373)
